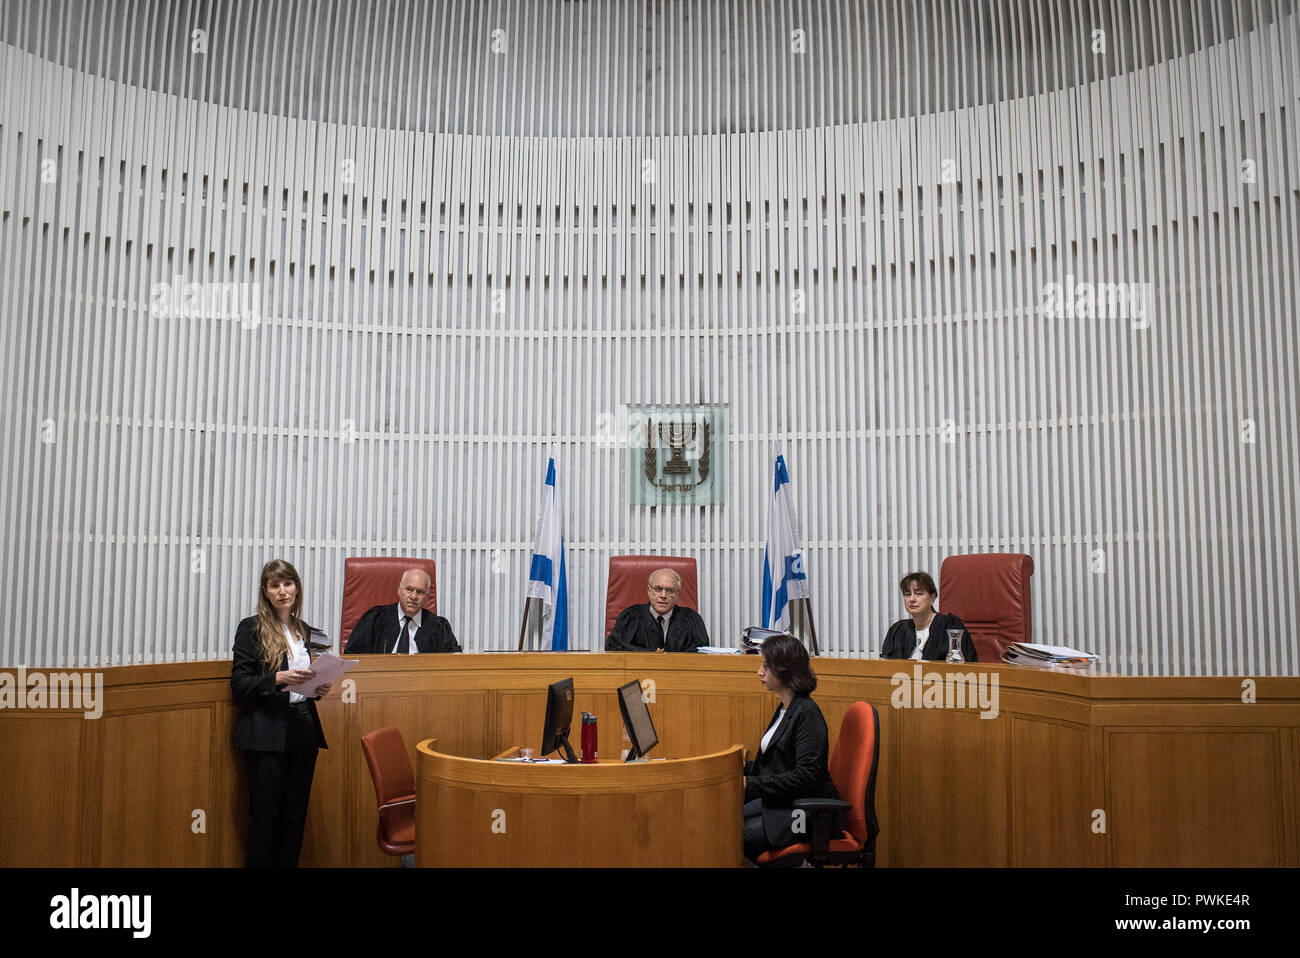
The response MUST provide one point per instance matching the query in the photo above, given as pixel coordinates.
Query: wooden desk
(1169, 762)
(675, 813)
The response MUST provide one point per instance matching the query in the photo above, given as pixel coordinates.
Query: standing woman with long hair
(279, 730)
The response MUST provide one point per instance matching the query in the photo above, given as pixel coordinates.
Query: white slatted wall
(924, 402)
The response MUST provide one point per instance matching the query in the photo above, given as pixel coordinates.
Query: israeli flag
(546, 579)
(783, 573)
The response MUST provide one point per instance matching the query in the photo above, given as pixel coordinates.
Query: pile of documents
(1045, 656)
(752, 638)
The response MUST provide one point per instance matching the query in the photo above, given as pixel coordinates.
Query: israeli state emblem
(678, 454)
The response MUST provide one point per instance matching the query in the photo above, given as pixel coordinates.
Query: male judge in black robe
(661, 625)
(404, 628)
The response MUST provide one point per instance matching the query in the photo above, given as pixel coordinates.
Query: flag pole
(805, 609)
(523, 626)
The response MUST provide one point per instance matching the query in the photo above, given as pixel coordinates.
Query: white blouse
(762, 746)
(299, 658)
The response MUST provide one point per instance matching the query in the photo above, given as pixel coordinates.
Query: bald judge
(405, 628)
(661, 625)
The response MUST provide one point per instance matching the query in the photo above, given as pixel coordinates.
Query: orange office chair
(628, 576)
(853, 770)
(390, 770)
(989, 592)
(371, 581)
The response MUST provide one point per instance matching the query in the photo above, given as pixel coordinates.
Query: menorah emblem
(676, 435)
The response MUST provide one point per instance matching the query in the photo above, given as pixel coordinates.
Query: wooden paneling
(229, 791)
(888, 801)
(1291, 763)
(675, 813)
(1051, 819)
(951, 790)
(522, 715)
(156, 775)
(696, 723)
(1228, 810)
(39, 772)
(1171, 761)
(328, 836)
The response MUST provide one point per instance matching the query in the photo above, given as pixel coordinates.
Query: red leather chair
(368, 582)
(629, 576)
(853, 770)
(989, 592)
(390, 770)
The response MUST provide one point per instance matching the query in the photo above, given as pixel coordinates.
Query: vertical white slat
(355, 159)
(378, 189)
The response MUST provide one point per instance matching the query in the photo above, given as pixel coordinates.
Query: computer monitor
(636, 719)
(559, 717)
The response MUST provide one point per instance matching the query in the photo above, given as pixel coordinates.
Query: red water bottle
(588, 738)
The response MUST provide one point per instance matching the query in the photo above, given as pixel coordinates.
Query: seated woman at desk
(924, 635)
(792, 755)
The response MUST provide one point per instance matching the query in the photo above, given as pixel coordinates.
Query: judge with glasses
(660, 625)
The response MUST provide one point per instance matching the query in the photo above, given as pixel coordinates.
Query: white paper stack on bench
(1027, 653)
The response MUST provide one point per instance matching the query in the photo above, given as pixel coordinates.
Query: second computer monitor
(559, 718)
(636, 719)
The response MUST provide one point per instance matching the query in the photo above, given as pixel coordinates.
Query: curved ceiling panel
(522, 67)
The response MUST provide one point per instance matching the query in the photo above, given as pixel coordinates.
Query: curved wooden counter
(674, 813)
(1075, 769)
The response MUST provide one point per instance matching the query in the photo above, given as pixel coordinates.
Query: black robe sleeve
(894, 640)
(622, 638)
(444, 640)
(365, 636)
(693, 633)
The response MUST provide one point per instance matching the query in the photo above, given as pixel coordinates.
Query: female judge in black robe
(924, 628)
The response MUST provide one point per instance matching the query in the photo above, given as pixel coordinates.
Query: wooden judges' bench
(1076, 769)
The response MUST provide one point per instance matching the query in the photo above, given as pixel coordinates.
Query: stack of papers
(753, 637)
(1045, 656)
(717, 650)
(327, 667)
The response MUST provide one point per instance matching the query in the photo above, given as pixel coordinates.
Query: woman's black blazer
(900, 640)
(265, 718)
(793, 766)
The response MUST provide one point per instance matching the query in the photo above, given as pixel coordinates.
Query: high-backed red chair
(368, 582)
(629, 576)
(853, 770)
(989, 592)
(390, 771)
